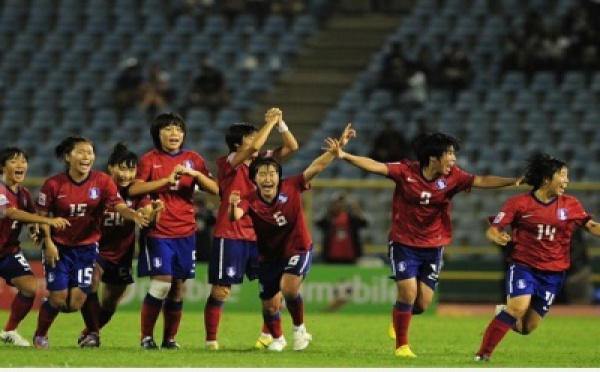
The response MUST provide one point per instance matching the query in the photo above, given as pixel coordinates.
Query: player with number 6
(284, 244)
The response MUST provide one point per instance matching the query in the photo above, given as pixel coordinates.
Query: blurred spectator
(552, 52)
(425, 63)
(205, 219)
(390, 145)
(157, 92)
(416, 92)
(129, 86)
(341, 226)
(455, 68)
(394, 71)
(208, 90)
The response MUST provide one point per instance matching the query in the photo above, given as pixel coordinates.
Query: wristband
(282, 127)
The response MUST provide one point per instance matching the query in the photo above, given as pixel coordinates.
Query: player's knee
(417, 309)
(159, 289)
(220, 293)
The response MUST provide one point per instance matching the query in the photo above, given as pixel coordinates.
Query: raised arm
(494, 182)
(272, 117)
(290, 144)
(364, 163)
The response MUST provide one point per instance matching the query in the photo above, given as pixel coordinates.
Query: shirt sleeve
(143, 169)
(581, 217)
(46, 196)
(395, 171)
(464, 180)
(111, 193)
(506, 215)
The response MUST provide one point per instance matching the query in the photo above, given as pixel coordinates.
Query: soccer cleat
(91, 340)
(392, 331)
(404, 351)
(211, 345)
(13, 337)
(499, 309)
(41, 342)
(278, 344)
(80, 338)
(482, 358)
(170, 344)
(148, 343)
(263, 341)
(301, 338)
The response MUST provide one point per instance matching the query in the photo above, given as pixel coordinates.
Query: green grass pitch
(340, 340)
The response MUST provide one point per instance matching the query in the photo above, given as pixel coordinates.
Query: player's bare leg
(20, 307)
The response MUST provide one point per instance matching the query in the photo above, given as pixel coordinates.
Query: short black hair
(433, 144)
(235, 134)
(541, 166)
(68, 144)
(162, 121)
(11, 153)
(121, 154)
(263, 161)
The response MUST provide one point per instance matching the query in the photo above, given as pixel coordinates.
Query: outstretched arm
(272, 117)
(364, 163)
(494, 182)
(333, 148)
(58, 223)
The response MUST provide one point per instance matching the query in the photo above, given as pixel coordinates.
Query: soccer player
(284, 244)
(421, 223)
(234, 252)
(80, 195)
(171, 174)
(17, 208)
(542, 222)
(117, 246)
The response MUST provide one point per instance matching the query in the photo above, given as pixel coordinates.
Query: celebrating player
(284, 245)
(542, 222)
(171, 174)
(17, 208)
(81, 196)
(234, 252)
(421, 224)
(117, 246)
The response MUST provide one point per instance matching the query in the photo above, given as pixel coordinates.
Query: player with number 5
(284, 244)
(421, 222)
(542, 223)
(80, 195)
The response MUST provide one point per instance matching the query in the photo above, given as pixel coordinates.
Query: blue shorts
(175, 257)
(230, 260)
(422, 263)
(13, 266)
(270, 272)
(543, 286)
(74, 268)
(113, 273)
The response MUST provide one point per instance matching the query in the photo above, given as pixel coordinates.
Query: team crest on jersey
(94, 193)
(230, 271)
(521, 284)
(42, 198)
(562, 214)
(441, 184)
(282, 198)
(3, 199)
(157, 262)
(402, 266)
(499, 217)
(188, 164)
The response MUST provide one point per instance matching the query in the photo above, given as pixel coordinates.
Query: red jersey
(541, 232)
(280, 226)
(83, 204)
(178, 219)
(230, 179)
(421, 208)
(10, 229)
(117, 243)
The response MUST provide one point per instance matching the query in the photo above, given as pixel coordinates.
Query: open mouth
(268, 188)
(20, 173)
